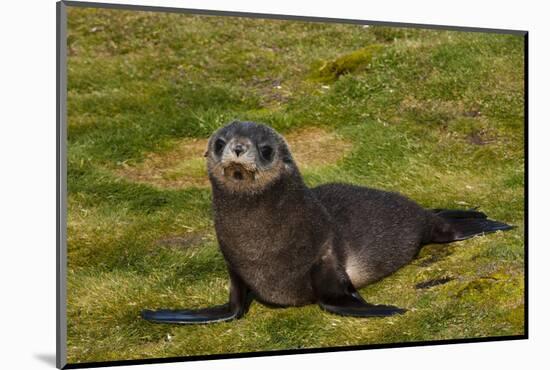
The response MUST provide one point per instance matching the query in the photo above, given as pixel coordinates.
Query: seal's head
(246, 157)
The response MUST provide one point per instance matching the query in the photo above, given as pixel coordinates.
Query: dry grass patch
(316, 147)
(185, 166)
(442, 110)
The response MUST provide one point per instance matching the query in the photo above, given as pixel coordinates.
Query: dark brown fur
(290, 245)
(272, 236)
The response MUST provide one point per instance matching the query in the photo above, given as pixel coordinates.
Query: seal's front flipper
(336, 293)
(352, 306)
(239, 301)
(200, 316)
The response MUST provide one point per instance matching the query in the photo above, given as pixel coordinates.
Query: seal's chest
(255, 252)
(275, 276)
(254, 235)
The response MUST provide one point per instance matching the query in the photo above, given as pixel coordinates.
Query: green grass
(435, 115)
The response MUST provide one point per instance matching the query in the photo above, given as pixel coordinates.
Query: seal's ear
(287, 160)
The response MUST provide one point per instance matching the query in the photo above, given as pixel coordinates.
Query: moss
(329, 71)
(516, 316)
(500, 275)
(474, 290)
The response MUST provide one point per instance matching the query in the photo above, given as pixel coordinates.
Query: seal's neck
(289, 188)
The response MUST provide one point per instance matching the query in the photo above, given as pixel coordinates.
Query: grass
(435, 115)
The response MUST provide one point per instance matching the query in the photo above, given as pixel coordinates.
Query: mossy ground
(435, 115)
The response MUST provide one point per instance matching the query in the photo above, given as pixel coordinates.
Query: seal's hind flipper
(455, 225)
(200, 316)
(335, 293)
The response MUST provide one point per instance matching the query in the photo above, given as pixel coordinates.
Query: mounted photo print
(234, 184)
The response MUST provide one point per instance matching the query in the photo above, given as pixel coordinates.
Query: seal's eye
(267, 152)
(218, 146)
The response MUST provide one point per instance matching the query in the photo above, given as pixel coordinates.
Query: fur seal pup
(288, 245)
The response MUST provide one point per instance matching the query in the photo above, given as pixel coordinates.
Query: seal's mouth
(238, 173)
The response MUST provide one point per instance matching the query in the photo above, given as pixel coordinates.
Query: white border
(27, 145)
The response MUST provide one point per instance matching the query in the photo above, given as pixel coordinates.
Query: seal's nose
(239, 149)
